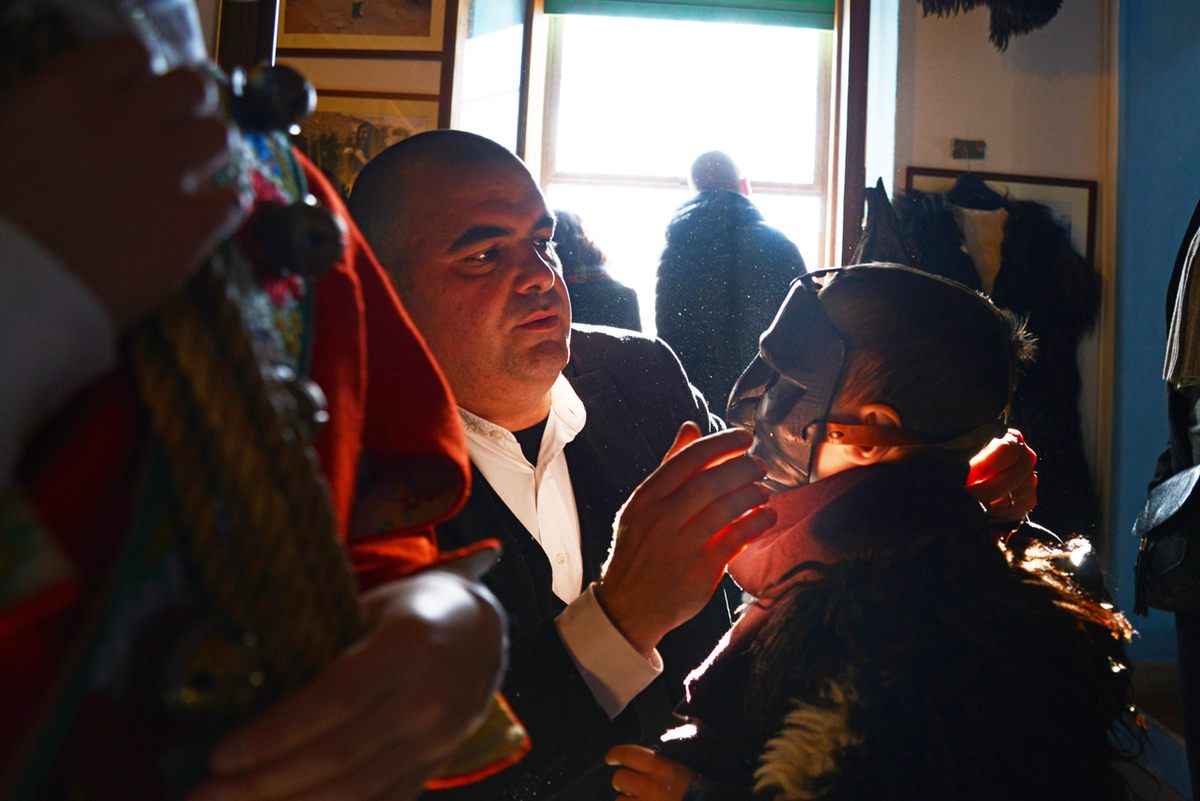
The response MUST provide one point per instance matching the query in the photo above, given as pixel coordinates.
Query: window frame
(819, 187)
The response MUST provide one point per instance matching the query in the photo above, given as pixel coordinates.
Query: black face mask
(789, 388)
(785, 395)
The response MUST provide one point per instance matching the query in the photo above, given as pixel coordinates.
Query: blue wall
(1158, 186)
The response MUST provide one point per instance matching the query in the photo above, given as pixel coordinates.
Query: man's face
(481, 282)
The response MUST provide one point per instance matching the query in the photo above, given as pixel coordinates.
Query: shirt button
(561, 558)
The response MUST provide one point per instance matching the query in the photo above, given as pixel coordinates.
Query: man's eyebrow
(480, 233)
(546, 222)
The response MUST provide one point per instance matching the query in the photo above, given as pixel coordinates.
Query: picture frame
(348, 129)
(1072, 201)
(399, 26)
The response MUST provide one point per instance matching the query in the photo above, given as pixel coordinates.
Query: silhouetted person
(723, 274)
(596, 297)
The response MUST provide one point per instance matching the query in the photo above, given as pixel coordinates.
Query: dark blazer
(636, 396)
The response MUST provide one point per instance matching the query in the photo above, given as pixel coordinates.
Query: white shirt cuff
(613, 669)
(55, 337)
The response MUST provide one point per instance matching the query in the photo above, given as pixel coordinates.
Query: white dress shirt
(544, 501)
(55, 337)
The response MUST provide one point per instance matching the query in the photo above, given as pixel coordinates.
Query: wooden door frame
(848, 143)
(246, 32)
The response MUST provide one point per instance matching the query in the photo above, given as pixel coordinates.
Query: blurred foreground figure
(182, 448)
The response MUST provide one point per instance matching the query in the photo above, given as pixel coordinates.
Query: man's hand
(386, 715)
(1002, 478)
(110, 168)
(645, 774)
(677, 532)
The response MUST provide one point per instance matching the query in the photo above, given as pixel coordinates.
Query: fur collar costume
(895, 652)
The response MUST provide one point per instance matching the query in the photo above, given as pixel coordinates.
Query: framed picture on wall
(1072, 201)
(395, 25)
(348, 129)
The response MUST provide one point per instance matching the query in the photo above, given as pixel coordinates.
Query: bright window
(631, 102)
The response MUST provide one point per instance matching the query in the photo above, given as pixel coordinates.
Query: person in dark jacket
(1182, 377)
(596, 297)
(722, 275)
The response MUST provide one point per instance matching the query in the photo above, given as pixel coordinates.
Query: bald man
(721, 277)
(563, 423)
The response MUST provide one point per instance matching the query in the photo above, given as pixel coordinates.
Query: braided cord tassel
(256, 512)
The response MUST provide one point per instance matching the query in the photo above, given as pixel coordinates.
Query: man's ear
(876, 414)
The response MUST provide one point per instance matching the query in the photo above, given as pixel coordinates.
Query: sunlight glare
(746, 89)
(639, 99)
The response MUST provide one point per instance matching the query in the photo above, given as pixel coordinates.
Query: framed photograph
(397, 25)
(349, 129)
(1073, 202)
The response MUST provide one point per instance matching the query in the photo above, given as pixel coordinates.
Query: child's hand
(1002, 478)
(648, 775)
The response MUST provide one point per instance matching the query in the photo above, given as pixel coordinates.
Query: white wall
(1041, 106)
(1044, 108)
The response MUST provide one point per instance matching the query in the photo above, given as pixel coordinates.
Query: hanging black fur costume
(1041, 278)
(1009, 17)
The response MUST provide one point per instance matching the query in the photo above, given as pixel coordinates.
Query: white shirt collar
(542, 499)
(567, 418)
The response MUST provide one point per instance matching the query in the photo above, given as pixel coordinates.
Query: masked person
(175, 611)
(896, 648)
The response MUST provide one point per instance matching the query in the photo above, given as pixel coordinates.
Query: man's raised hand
(679, 530)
